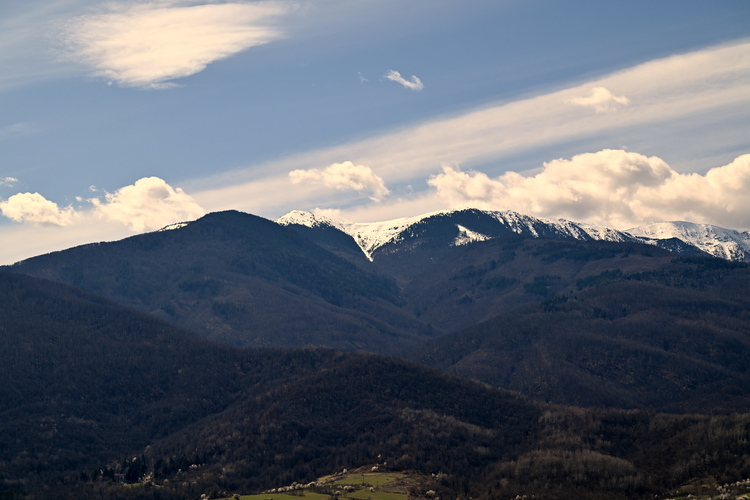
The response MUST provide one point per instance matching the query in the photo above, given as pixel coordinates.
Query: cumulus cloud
(344, 176)
(601, 100)
(148, 204)
(611, 187)
(413, 84)
(147, 44)
(35, 208)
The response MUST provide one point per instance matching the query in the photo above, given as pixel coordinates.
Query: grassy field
(372, 478)
(375, 495)
(368, 486)
(309, 495)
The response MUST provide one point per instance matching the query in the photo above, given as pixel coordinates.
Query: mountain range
(208, 343)
(682, 237)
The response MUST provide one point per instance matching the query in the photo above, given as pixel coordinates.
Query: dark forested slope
(84, 380)
(92, 392)
(243, 280)
(675, 338)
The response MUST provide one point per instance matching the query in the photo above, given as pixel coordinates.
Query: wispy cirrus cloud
(148, 44)
(8, 181)
(343, 176)
(703, 92)
(413, 84)
(16, 130)
(611, 187)
(601, 100)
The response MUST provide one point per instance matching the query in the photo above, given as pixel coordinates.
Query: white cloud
(413, 84)
(148, 204)
(35, 208)
(147, 44)
(7, 181)
(344, 176)
(601, 100)
(704, 93)
(611, 187)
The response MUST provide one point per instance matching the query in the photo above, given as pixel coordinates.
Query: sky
(121, 117)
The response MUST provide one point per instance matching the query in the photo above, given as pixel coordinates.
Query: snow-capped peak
(717, 241)
(369, 235)
(474, 225)
(308, 219)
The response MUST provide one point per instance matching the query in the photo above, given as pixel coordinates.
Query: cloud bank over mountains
(148, 204)
(35, 208)
(612, 188)
(496, 151)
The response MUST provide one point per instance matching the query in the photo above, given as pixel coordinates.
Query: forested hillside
(242, 280)
(94, 394)
(674, 339)
(573, 321)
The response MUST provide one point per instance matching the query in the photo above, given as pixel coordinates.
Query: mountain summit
(459, 227)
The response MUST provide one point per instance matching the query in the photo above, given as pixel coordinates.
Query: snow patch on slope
(466, 236)
(602, 233)
(171, 227)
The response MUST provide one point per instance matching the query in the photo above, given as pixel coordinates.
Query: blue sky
(120, 117)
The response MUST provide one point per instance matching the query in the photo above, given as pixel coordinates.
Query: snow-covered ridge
(724, 243)
(371, 236)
